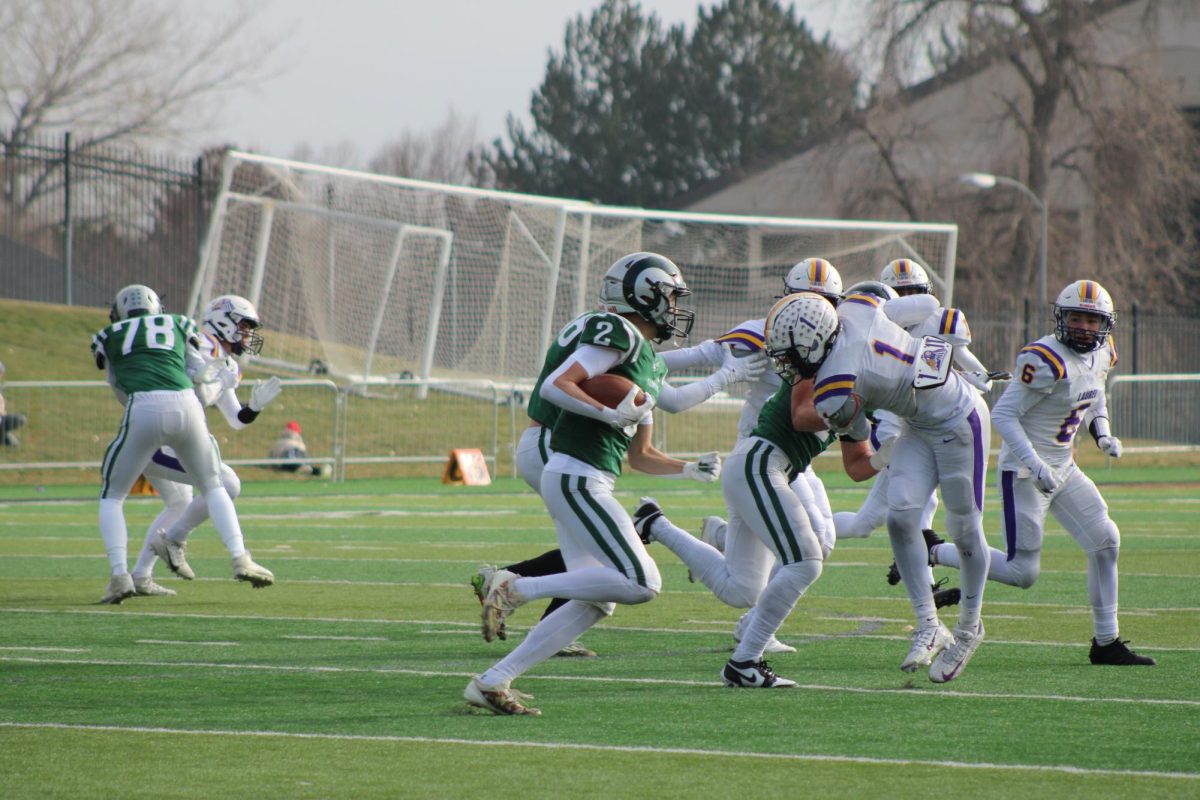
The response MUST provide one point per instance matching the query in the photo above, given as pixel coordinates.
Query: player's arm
(804, 413)
(1038, 369)
(1098, 424)
(910, 310)
(856, 460)
(706, 354)
(645, 457)
(562, 388)
(735, 366)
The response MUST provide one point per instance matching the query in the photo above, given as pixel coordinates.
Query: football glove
(705, 469)
(740, 365)
(883, 456)
(1110, 446)
(264, 392)
(1045, 478)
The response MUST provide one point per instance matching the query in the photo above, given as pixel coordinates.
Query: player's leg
(606, 563)
(197, 511)
(124, 459)
(738, 575)
(870, 515)
(961, 471)
(175, 497)
(1081, 510)
(198, 453)
(1022, 520)
(780, 521)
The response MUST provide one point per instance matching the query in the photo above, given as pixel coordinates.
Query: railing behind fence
(401, 426)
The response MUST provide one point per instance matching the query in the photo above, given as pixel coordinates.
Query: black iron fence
(79, 220)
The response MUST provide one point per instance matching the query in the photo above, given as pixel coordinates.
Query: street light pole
(985, 180)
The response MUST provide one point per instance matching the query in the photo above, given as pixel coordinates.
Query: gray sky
(364, 71)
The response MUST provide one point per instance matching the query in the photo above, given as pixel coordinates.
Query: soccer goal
(368, 277)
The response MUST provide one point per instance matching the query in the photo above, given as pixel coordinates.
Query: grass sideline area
(346, 677)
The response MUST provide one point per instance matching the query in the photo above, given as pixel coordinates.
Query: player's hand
(980, 380)
(1045, 478)
(883, 456)
(628, 412)
(705, 469)
(741, 365)
(264, 392)
(1110, 446)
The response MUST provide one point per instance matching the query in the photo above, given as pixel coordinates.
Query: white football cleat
(244, 569)
(950, 663)
(147, 587)
(119, 588)
(500, 599)
(175, 555)
(712, 532)
(928, 642)
(499, 699)
(753, 675)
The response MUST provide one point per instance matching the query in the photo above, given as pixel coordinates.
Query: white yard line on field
(926, 692)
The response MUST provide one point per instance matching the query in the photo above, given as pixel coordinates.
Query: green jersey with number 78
(148, 353)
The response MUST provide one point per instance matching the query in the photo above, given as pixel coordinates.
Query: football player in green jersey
(151, 358)
(772, 553)
(606, 561)
(534, 448)
(230, 326)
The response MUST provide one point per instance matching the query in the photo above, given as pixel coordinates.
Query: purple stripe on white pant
(980, 457)
(1010, 512)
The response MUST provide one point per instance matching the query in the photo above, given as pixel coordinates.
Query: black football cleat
(644, 517)
(1116, 654)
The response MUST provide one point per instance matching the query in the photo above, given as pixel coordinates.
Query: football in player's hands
(609, 390)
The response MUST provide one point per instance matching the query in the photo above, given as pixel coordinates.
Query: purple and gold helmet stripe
(864, 299)
(1052, 359)
(1089, 291)
(903, 268)
(819, 271)
(743, 336)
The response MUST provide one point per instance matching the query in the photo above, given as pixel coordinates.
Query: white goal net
(370, 277)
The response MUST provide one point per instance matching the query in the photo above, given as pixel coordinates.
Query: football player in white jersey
(904, 277)
(873, 363)
(1059, 387)
(230, 324)
(814, 275)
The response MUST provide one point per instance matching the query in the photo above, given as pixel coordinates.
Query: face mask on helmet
(234, 320)
(906, 277)
(652, 287)
(814, 275)
(800, 332)
(1084, 297)
(135, 300)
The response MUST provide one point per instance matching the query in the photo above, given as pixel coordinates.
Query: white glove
(1110, 446)
(705, 469)
(627, 415)
(979, 380)
(1045, 479)
(743, 365)
(264, 392)
(883, 456)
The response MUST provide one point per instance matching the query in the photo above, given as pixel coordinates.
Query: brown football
(609, 390)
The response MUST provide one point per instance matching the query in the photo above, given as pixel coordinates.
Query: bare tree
(450, 153)
(118, 70)
(1078, 108)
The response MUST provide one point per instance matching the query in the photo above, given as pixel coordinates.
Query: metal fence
(78, 220)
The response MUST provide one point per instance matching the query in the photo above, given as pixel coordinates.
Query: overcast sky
(364, 71)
